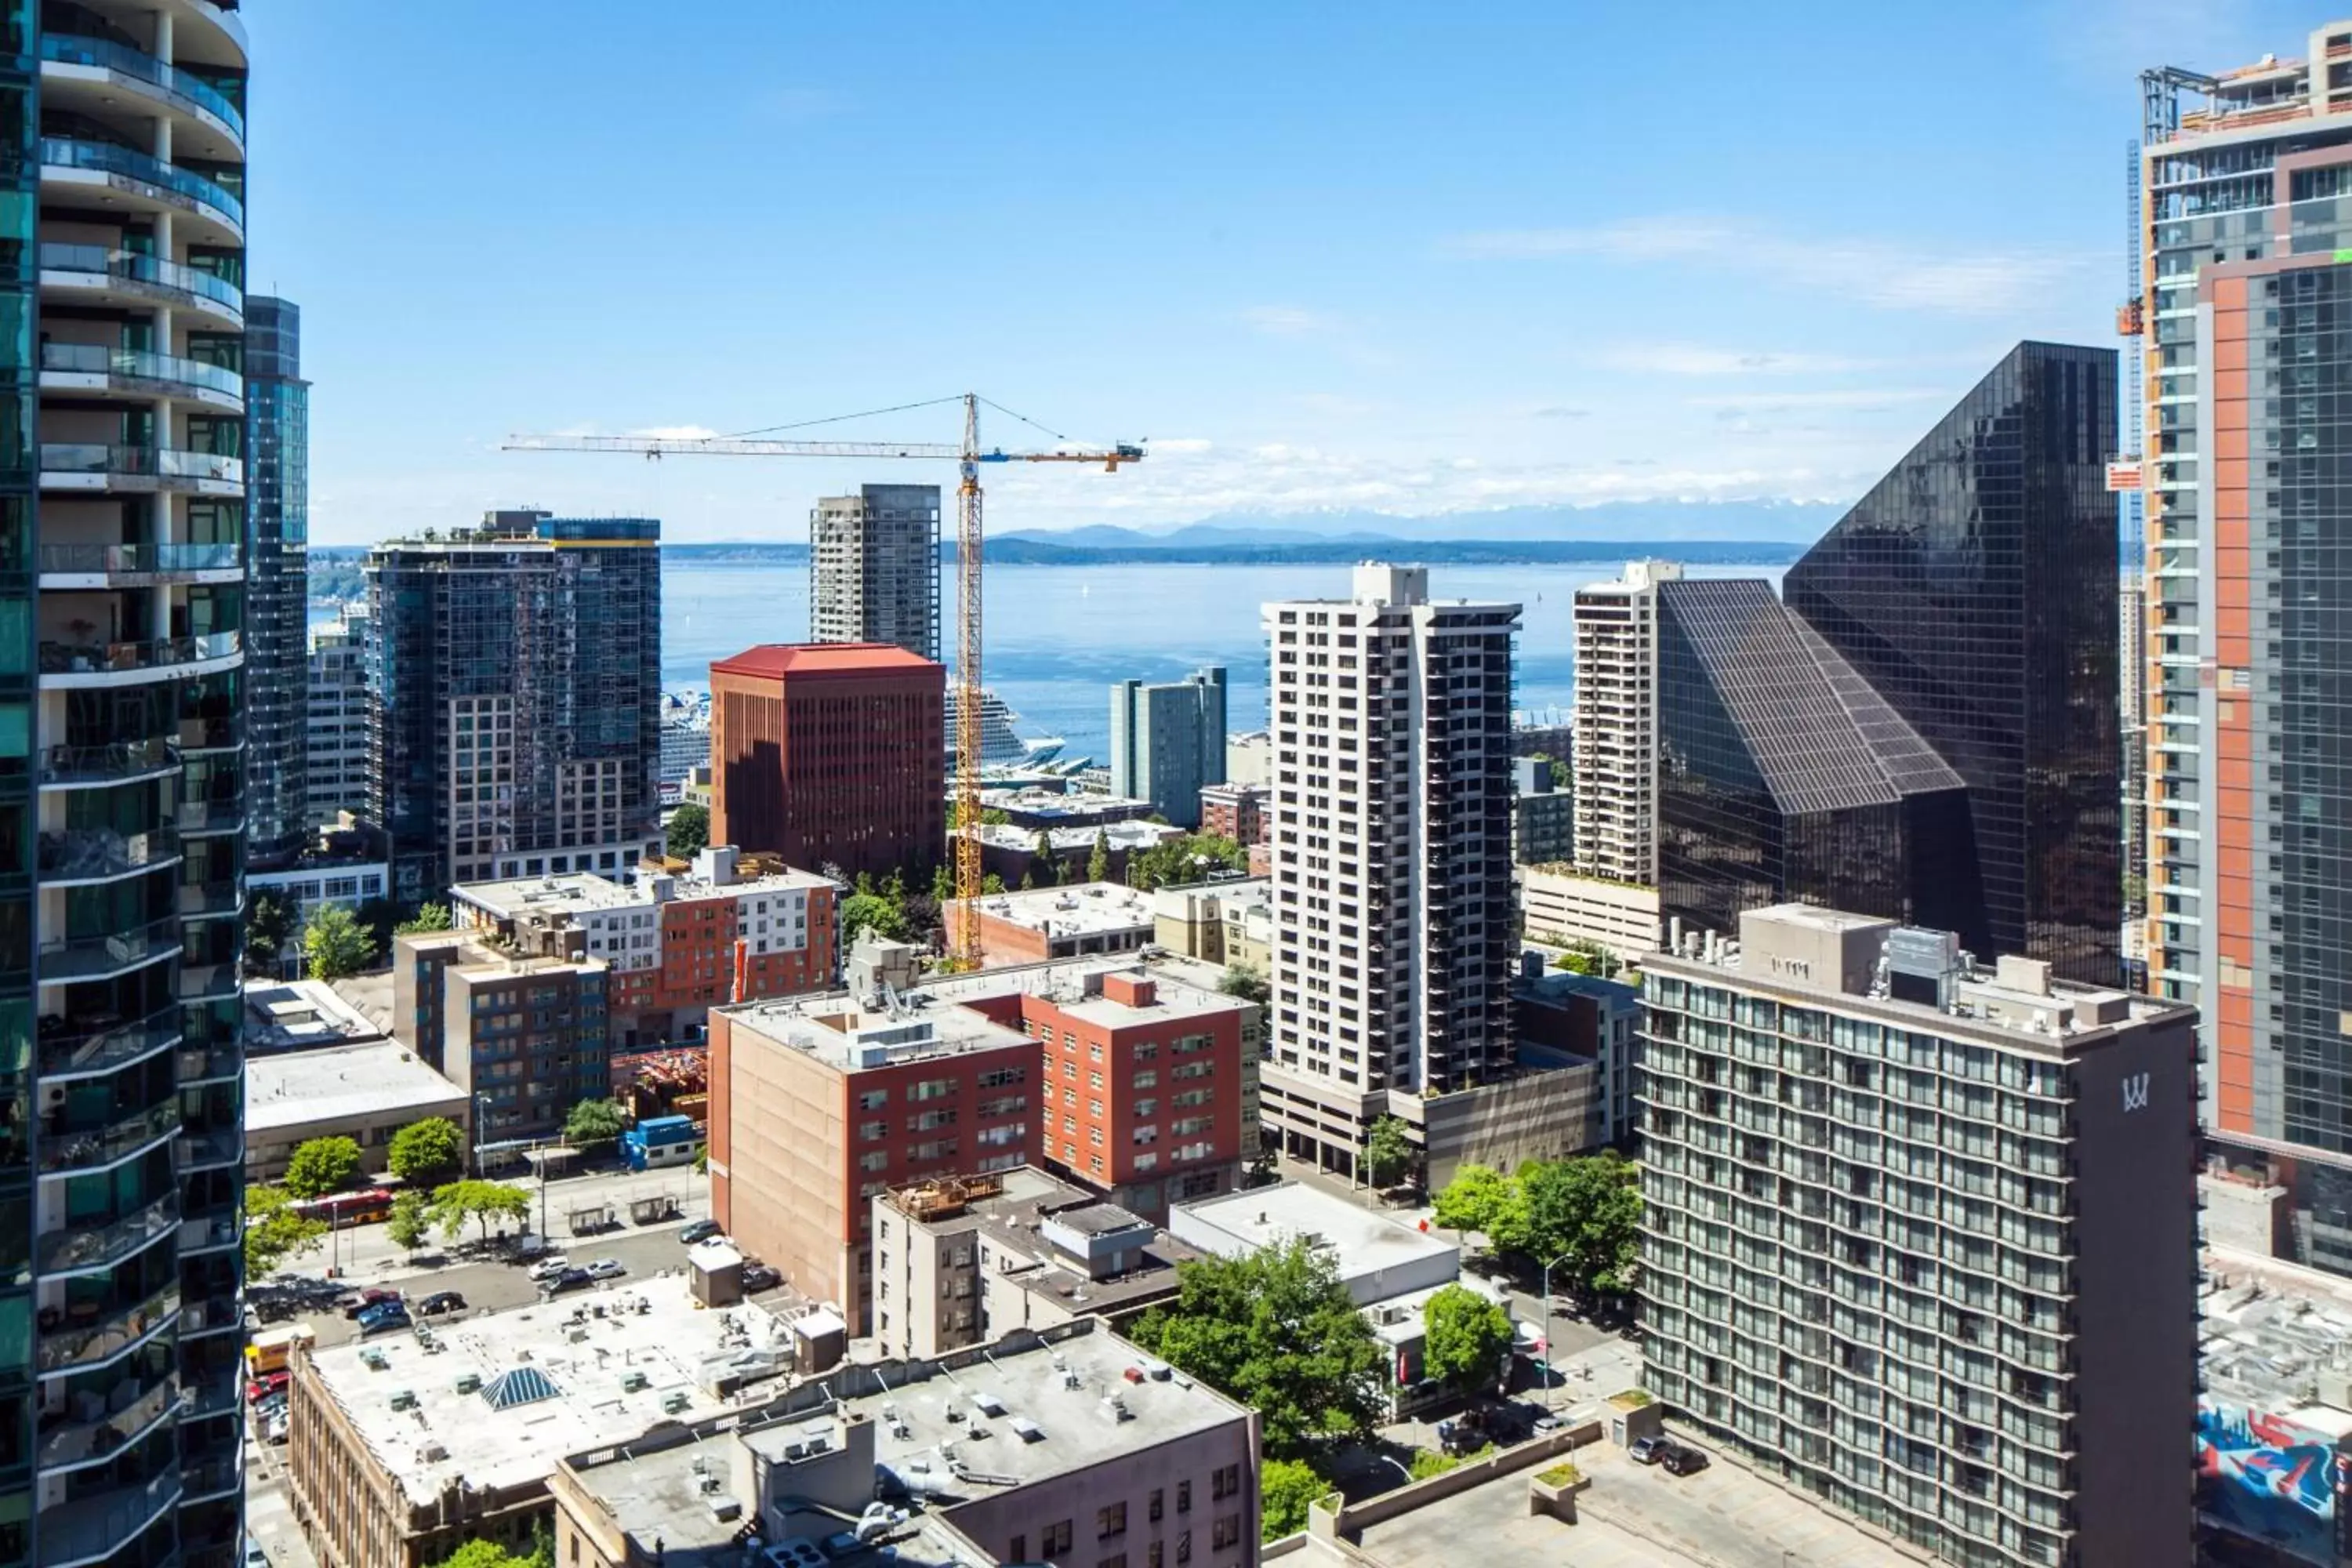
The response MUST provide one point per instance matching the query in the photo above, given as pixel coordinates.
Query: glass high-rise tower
(278, 512)
(122, 653)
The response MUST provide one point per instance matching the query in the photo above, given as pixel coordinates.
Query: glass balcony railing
(66, 49)
(103, 1046)
(208, 981)
(198, 1064)
(85, 1331)
(92, 854)
(83, 957)
(211, 734)
(212, 1478)
(136, 463)
(95, 1527)
(130, 267)
(210, 815)
(213, 1313)
(102, 1246)
(139, 365)
(107, 765)
(109, 158)
(119, 657)
(199, 899)
(63, 1150)
(95, 1436)
(197, 1150)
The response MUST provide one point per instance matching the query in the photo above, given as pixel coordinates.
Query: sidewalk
(366, 1255)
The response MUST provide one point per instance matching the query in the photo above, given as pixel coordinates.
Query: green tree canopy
(411, 1224)
(1285, 1490)
(320, 1166)
(335, 944)
(1242, 980)
(592, 1122)
(1480, 1198)
(481, 1202)
(423, 1152)
(274, 1232)
(481, 1553)
(1588, 1212)
(688, 833)
(1467, 1339)
(1388, 1152)
(268, 924)
(427, 919)
(872, 911)
(1186, 857)
(1275, 1329)
(1098, 857)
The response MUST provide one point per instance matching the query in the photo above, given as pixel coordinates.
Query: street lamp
(1549, 1403)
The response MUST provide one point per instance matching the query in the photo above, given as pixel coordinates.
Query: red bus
(340, 1210)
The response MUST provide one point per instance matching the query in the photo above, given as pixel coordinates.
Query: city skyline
(1270, 307)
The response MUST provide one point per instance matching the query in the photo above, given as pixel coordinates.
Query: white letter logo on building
(2135, 1092)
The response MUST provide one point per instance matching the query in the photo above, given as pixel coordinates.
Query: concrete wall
(1546, 1115)
(788, 1173)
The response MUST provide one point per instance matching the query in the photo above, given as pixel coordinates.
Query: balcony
(203, 1234)
(211, 735)
(206, 981)
(86, 854)
(94, 367)
(66, 1151)
(125, 278)
(96, 1528)
(198, 1064)
(95, 767)
(71, 958)
(149, 77)
(212, 1479)
(211, 1314)
(194, 1151)
(103, 466)
(79, 1251)
(69, 666)
(103, 1045)
(68, 161)
(200, 900)
(200, 817)
(86, 1333)
(100, 1428)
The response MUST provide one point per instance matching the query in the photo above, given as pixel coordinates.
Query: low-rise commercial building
(363, 1092)
(728, 927)
(1040, 924)
(1012, 855)
(1069, 1446)
(1543, 817)
(1560, 907)
(1237, 811)
(302, 1015)
(524, 1035)
(402, 1448)
(1589, 1019)
(1032, 807)
(1228, 923)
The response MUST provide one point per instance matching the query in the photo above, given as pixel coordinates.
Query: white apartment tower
(1616, 724)
(1390, 717)
(336, 735)
(874, 568)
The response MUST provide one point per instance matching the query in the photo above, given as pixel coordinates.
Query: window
(932, 1088)
(1110, 1521)
(1184, 1546)
(1020, 1548)
(1056, 1539)
(1227, 1482)
(874, 1100)
(1155, 1508)
(1228, 1533)
(1183, 1497)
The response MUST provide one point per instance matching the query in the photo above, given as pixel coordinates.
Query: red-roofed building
(830, 753)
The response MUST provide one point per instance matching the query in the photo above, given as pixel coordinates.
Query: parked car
(275, 1429)
(367, 1299)
(565, 1279)
(548, 1267)
(1550, 1421)
(700, 1230)
(1682, 1460)
(1649, 1450)
(265, 1384)
(254, 1557)
(759, 1276)
(604, 1268)
(440, 1303)
(388, 1318)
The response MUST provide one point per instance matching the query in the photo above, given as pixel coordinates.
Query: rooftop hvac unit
(404, 1399)
(469, 1382)
(632, 1382)
(1028, 1431)
(724, 1509)
(676, 1402)
(987, 1403)
(819, 1444)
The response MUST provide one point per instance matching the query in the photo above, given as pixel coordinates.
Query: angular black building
(1975, 589)
(1782, 775)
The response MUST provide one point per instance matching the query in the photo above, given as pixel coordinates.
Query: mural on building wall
(2270, 1477)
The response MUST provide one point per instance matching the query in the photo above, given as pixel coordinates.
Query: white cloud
(1879, 272)
(1289, 321)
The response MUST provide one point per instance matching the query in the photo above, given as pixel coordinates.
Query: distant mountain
(1790, 523)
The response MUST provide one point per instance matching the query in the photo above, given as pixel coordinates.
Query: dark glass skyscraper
(277, 532)
(1975, 589)
(1782, 775)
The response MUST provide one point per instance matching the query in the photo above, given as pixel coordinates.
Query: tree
(1275, 1329)
(1286, 1489)
(429, 918)
(336, 944)
(478, 1554)
(1186, 857)
(1589, 957)
(423, 1152)
(1587, 1211)
(274, 1232)
(269, 923)
(990, 884)
(1468, 1337)
(688, 833)
(1387, 1151)
(1244, 981)
(872, 911)
(411, 1224)
(1482, 1199)
(458, 1201)
(592, 1122)
(320, 1166)
(1098, 859)
(1041, 861)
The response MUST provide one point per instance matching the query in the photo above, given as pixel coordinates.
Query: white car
(546, 1267)
(604, 1268)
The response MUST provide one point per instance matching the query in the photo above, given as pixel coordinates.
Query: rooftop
(1131, 834)
(300, 1014)
(1075, 985)
(776, 659)
(1364, 1242)
(296, 1089)
(580, 892)
(577, 1357)
(1081, 909)
(848, 1038)
(1015, 1217)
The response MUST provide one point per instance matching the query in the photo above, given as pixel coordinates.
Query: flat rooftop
(1010, 1219)
(1083, 910)
(775, 660)
(1131, 834)
(569, 1361)
(299, 1089)
(303, 1013)
(568, 893)
(848, 1038)
(1365, 1242)
(1074, 987)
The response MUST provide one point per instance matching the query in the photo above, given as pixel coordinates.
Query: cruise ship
(685, 740)
(1002, 744)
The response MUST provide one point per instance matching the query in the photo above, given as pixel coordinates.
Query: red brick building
(1235, 811)
(830, 753)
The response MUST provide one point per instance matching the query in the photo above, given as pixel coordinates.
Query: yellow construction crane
(963, 931)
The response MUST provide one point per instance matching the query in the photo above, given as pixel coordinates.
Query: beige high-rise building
(874, 568)
(1616, 724)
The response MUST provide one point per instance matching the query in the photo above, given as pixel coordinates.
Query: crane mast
(964, 926)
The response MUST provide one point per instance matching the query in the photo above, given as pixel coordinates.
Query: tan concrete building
(1558, 908)
(1218, 922)
(1069, 1447)
(365, 1092)
(1036, 924)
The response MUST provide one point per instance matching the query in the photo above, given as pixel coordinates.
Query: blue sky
(1406, 258)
